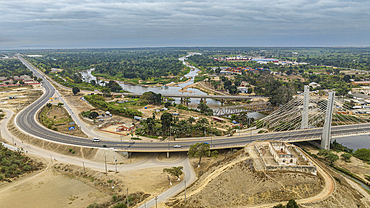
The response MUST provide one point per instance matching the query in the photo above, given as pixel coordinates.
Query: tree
(106, 91)
(233, 89)
(166, 120)
(151, 98)
(93, 115)
(167, 104)
(205, 109)
(174, 171)
(292, 204)
(75, 90)
(346, 156)
(49, 105)
(346, 78)
(363, 154)
(227, 84)
(281, 95)
(199, 150)
(191, 119)
(331, 157)
(60, 104)
(218, 70)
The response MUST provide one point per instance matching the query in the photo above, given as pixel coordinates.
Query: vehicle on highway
(177, 146)
(96, 139)
(104, 145)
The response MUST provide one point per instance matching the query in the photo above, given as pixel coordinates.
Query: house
(244, 84)
(125, 127)
(243, 89)
(314, 85)
(281, 154)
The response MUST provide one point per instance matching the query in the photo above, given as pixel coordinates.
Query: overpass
(233, 97)
(26, 121)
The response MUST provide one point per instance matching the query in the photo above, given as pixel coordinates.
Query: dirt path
(213, 175)
(358, 188)
(327, 191)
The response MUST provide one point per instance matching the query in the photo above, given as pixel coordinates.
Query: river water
(354, 142)
(87, 76)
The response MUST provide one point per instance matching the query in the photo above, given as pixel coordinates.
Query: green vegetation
(14, 164)
(331, 157)
(174, 171)
(205, 109)
(75, 90)
(168, 124)
(99, 102)
(362, 154)
(152, 66)
(200, 150)
(89, 114)
(291, 204)
(13, 67)
(52, 122)
(151, 98)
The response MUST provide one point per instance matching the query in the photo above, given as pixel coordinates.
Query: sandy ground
(24, 95)
(51, 190)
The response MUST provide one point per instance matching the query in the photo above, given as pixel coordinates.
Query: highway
(26, 121)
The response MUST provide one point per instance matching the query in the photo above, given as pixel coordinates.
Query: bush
(114, 198)
(363, 154)
(120, 206)
(73, 152)
(27, 168)
(1, 177)
(346, 156)
(292, 204)
(70, 150)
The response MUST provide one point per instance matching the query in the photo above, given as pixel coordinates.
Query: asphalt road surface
(26, 120)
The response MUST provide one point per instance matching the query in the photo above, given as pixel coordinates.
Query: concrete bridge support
(325, 138)
(182, 100)
(306, 99)
(168, 154)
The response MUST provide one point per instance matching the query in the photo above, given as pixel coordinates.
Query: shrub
(114, 197)
(73, 152)
(70, 150)
(120, 206)
(1, 177)
(292, 204)
(363, 154)
(27, 168)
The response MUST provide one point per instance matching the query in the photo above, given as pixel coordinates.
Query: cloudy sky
(140, 23)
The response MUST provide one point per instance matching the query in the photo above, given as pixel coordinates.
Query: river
(87, 76)
(354, 142)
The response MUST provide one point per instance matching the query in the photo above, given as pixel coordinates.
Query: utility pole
(83, 164)
(156, 198)
(185, 189)
(106, 171)
(115, 162)
(127, 198)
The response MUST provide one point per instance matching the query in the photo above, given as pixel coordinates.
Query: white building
(281, 154)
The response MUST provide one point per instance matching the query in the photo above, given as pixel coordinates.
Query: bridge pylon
(306, 100)
(325, 138)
